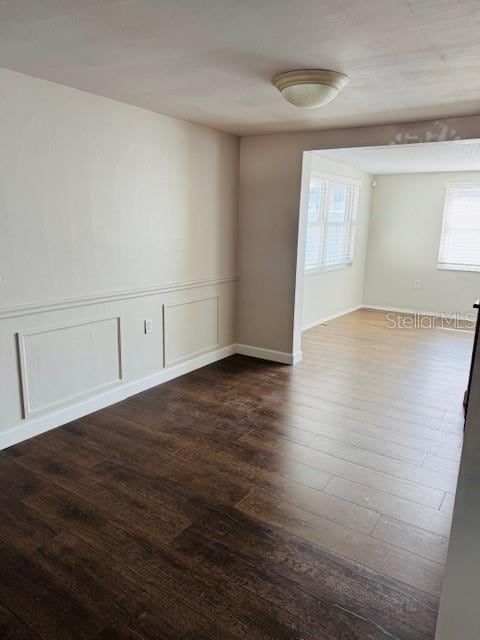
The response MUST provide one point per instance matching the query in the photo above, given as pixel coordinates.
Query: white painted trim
(197, 353)
(39, 425)
(22, 356)
(335, 177)
(269, 354)
(301, 244)
(436, 314)
(81, 301)
(332, 317)
(316, 271)
(34, 427)
(297, 357)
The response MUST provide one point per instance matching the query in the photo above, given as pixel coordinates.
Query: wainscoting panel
(190, 329)
(60, 360)
(59, 364)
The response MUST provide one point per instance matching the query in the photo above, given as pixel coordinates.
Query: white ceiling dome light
(310, 88)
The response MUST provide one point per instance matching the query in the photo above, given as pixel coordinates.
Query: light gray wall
(332, 292)
(405, 229)
(109, 215)
(98, 196)
(270, 288)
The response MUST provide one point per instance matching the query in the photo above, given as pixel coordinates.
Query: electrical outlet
(416, 284)
(148, 326)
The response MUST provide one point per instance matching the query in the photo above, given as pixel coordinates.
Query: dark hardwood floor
(246, 500)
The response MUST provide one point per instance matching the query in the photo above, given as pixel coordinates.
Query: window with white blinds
(460, 240)
(332, 213)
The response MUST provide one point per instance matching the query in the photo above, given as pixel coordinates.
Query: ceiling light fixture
(310, 88)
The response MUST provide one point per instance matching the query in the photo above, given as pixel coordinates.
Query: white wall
(270, 289)
(332, 292)
(109, 215)
(405, 228)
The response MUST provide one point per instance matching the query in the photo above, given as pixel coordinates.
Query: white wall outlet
(416, 284)
(148, 326)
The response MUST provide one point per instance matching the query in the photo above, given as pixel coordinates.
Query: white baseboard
(39, 425)
(297, 357)
(435, 314)
(332, 317)
(35, 427)
(269, 354)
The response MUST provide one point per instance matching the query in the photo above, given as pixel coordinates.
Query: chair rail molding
(113, 296)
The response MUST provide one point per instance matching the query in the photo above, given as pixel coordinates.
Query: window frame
(323, 224)
(449, 188)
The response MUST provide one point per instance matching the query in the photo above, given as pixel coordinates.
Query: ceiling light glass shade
(310, 88)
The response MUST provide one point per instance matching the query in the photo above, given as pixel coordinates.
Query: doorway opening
(388, 272)
(391, 228)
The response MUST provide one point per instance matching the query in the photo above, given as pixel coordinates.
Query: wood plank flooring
(246, 500)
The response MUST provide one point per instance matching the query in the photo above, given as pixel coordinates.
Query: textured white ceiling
(211, 61)
(458, 155)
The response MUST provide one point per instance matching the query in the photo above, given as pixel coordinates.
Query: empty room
(239, 283)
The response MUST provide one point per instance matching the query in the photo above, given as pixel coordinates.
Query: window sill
(317, 271)
(451, 267)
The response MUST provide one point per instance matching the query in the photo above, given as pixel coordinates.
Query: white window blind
(332, 212)
(460, 239)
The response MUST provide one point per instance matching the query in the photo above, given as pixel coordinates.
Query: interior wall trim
(435, 314)
(332, 317)
(269, 354)
(205, 349)
(39, 425)
(27, 409)
(82, 301)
